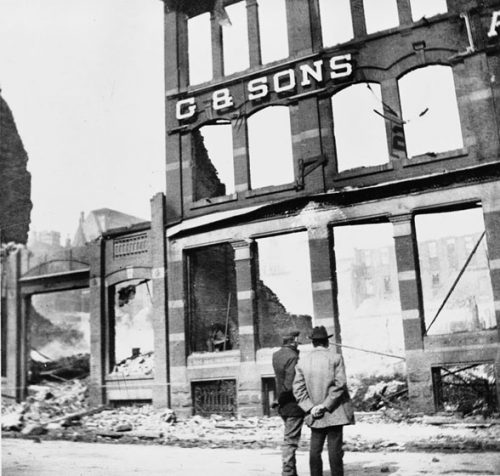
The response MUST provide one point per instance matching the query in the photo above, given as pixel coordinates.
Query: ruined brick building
(325, 165)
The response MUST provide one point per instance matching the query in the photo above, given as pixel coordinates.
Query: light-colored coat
(320, 379)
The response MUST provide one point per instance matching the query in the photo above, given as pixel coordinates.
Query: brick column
(179, 385)
(249, 385)
(97, 324)
(491, 211)
(358, 18)
(217, 56)
(418, 367)
(15, 327)
(299, 27)
(404, 11)
(253, 33)
(323, 287)
(161, 390)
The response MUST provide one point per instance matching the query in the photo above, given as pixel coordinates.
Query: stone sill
(112, 378)
(270, 189)
(207, 202)
(361, 171)
(426, 158)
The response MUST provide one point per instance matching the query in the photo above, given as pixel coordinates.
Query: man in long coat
(284, 362)
(321, 391)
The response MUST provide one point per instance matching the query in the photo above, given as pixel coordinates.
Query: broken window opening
(360, 133)
(59, 335)
(133, 333)
(455, 299)
(469, 389)
(213, 306)
(271, 161)
(369, 308)
(235, 46)
(199, 49)
(272, 30)
(427, 8)
(283, 288)
(213, 174)
(380, 15)
(430, 111)
(336, 22)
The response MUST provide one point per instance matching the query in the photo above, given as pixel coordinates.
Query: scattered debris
(139, 364)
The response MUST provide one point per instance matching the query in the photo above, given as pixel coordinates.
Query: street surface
(49, 458)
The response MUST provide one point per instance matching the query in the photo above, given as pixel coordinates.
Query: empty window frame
(213, 306)
(235, 48)
(369, 308)
(427, 8)
(283, 288)
(199, 49)
(469, 307)
(380, 15)
(430, 111)
(336, 22)
(360, 134)
(213, 174)
(273, 30)
(133, 329)
(270, 147)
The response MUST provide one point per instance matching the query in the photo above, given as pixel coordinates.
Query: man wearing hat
(284, 362)
(321, 391)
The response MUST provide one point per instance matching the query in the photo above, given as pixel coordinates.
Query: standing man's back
(284, 362)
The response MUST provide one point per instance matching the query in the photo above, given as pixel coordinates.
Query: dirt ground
(48, 458)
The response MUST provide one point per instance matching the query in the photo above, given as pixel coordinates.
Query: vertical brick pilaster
(97, 324)
(317, 40)
(418, 368)
(253, 33)
(179, 385)
(404, 12)
(321, 256)
(394, 130)
(187, 170)
(240, 154)
(246, 299)
(161, 390)
(15, 326)
(358, 18)
(299, 27)
(217, 55)
(491, 211)
(307, 142)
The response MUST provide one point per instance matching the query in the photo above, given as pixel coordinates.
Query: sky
(84, 81)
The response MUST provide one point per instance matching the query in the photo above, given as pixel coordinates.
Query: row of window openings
(367, 295)
(430, 124)
(336, 28)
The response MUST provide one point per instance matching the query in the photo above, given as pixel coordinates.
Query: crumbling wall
(15, 191)
(206, 183)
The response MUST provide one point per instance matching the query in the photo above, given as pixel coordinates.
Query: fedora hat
(319, 332)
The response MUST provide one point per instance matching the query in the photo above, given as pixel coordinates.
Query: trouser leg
(335, 451)
(293, 429)
(318, 436)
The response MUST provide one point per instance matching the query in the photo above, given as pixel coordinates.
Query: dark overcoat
(284, 362)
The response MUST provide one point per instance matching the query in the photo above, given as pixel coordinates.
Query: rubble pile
(141, 364)
(372, 393)
(60, 411)
(69, 367)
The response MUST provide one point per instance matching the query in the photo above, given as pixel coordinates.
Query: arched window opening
(427, 8)
(336, 22)
(199, 49)
(235, 39)
(273, 30)
(360, 134)
(213, 174)
(380, 15)
(271, 156)
(430, 111)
